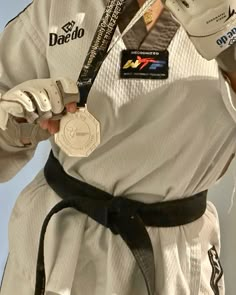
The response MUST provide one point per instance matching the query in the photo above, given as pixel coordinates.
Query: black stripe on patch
(217, 270)
(19, 14)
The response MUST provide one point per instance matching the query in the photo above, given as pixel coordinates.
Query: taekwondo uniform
(161, 140)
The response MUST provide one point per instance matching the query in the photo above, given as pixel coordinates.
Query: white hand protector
(210, 24)
(37, 100)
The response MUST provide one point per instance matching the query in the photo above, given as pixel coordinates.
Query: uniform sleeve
(23, 46)
(228, 94)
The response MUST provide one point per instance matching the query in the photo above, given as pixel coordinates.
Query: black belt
(122, 216)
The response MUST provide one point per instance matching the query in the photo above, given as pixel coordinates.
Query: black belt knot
(122, 216)
(118, 208)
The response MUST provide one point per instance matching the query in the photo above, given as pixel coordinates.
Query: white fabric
(161, 140)
(211, 25)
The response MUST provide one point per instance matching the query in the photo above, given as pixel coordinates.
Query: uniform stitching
(38, 43)
(19, 14)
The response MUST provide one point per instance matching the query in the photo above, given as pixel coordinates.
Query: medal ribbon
(102, 39)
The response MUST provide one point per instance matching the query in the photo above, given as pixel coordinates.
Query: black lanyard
(99, 48)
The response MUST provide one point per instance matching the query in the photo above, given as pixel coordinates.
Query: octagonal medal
(79, 133)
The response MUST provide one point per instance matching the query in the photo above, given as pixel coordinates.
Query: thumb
(13, 108)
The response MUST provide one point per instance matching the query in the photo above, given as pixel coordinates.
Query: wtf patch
(137, 64)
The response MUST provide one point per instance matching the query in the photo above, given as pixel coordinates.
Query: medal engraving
(79, 134)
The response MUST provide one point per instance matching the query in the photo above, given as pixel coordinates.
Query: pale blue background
(220, 194)
(10, 190)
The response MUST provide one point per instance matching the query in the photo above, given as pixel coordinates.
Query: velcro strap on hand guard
(211, 25)
(32, 133)
(211, 46)
(18, 134)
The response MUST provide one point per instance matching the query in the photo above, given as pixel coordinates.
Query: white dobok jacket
(160, 140)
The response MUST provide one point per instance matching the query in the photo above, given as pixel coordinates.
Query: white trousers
(84, 258)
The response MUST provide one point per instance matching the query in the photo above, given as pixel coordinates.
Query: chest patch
(146, 64)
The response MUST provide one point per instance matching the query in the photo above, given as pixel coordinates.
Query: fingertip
(71, 107)
(44, 124)
(53, 127)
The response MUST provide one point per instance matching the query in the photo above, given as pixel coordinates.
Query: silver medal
(79, 133)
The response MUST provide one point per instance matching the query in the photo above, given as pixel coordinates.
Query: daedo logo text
(230, 37)
(144, 62)
(77, 33)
